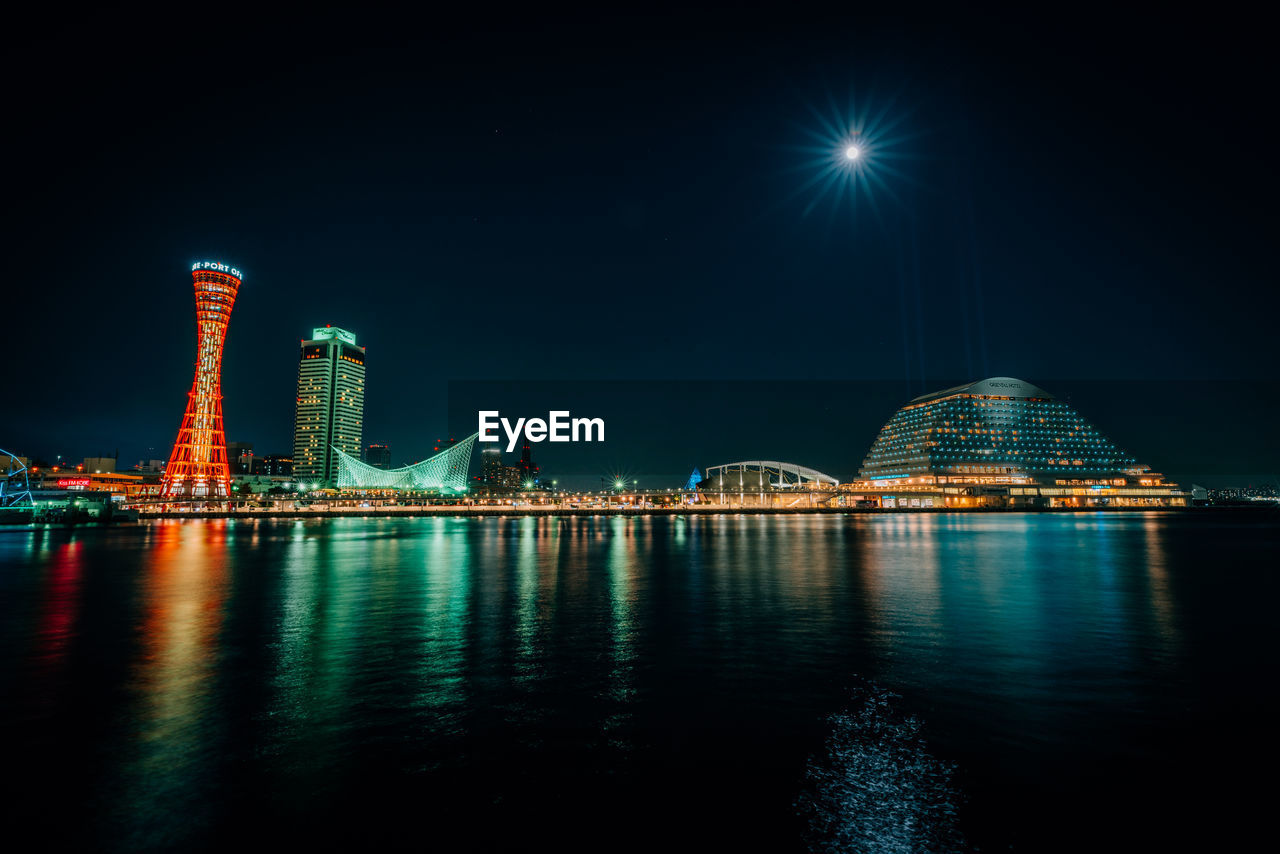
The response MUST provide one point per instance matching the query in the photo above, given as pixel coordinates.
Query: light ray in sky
(851, 155)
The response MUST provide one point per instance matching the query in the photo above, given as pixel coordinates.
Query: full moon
(852, 152)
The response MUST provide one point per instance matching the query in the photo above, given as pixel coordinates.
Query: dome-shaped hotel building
(1002, 442)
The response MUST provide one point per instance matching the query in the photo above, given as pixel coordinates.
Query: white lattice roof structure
(786, 474)
(447, 470)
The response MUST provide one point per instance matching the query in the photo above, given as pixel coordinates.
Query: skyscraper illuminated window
(330, 406)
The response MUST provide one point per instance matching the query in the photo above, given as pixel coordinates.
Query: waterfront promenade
(570, 510)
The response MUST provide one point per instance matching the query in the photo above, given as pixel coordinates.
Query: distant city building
(99, 465)
(273, 465)
(330, 405)
(495, 475)
(378, 456)
(240, 457)
(491, 467)
(528, 469)
(1264, 493)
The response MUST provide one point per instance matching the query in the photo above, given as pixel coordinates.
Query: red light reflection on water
(59, 610)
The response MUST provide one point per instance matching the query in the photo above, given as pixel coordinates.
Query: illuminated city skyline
(721, 427)
(544, 222)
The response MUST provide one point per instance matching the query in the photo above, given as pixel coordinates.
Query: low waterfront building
(119, 484)
(75, 505)
(763, 476)
(257, 484)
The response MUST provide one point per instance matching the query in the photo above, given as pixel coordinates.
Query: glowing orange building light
(198, 465)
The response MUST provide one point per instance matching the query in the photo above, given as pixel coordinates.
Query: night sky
(1078, 197)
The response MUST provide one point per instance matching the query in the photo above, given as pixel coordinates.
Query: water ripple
(876, 787)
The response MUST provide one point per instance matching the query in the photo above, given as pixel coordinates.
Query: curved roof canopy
(787, 473)
(993, 387)
(446, 471)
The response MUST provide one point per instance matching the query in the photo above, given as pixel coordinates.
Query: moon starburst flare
(850, 154)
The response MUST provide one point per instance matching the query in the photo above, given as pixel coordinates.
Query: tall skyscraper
(198, 465)
(330, 409)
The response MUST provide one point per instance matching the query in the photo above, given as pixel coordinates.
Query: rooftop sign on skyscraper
(322, 333)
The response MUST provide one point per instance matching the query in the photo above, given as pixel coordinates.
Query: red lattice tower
(198, 465)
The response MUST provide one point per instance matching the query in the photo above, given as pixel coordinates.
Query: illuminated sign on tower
(198, 465)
